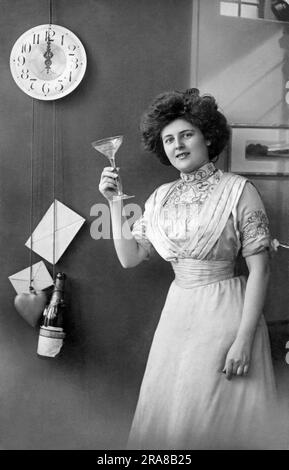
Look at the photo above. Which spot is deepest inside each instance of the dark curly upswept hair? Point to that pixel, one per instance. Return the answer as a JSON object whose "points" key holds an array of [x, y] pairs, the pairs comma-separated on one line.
{"points": [[200, 111]]}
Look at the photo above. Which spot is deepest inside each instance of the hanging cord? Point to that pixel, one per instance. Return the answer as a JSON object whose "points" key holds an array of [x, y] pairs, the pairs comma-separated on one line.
{"points": [[53, 181], [53, 160], [61, 189], [32, 144]]}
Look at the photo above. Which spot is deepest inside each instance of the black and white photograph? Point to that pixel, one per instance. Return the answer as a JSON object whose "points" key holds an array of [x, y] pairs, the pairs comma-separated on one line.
{"points": [[144, 237], [259, 150]]}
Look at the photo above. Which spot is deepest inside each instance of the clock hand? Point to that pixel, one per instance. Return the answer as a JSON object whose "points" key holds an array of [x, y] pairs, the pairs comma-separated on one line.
{"points": [[48, 54], [50, 72]]}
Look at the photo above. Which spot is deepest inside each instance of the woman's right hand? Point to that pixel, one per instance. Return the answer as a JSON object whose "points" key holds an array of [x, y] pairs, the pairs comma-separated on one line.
{"points": [[108, 184]]}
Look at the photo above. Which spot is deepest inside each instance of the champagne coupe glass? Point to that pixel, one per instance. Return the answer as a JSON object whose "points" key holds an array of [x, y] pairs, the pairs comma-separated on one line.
{"points": [[108, 147]]}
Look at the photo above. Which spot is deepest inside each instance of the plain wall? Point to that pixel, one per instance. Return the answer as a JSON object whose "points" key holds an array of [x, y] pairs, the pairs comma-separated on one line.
{"points": [[135, 49]]}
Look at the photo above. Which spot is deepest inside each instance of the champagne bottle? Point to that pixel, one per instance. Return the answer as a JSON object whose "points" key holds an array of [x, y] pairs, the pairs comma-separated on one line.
{"points": [[51, 333]]}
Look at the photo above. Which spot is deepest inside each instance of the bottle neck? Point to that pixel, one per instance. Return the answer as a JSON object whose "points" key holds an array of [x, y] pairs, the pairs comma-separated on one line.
{"points": [[58, 291], [56, 297]]}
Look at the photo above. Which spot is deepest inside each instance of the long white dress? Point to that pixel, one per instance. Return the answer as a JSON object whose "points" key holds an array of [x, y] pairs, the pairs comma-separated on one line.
{"points": [[199, 224]]}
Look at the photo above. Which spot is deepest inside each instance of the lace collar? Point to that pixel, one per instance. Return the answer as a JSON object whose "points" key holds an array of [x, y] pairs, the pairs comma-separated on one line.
{"points": [[201, 174]]}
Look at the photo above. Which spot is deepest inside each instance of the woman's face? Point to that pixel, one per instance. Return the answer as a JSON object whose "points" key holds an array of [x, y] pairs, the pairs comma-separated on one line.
{"points": [[184, 145]]}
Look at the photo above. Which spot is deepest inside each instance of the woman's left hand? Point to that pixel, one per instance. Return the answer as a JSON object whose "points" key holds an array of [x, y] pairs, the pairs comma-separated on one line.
{"points": [[238, 359]]}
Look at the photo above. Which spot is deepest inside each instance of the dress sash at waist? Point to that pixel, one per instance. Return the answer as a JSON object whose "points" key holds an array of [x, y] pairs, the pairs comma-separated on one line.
{"points": [[194, 273]]}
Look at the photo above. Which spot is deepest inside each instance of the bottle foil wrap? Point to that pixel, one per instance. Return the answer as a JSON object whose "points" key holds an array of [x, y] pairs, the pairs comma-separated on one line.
{"points": [[50, 341]]}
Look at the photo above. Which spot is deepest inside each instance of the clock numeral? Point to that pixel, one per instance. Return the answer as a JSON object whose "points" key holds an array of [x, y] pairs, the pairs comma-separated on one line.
{"points": [[75, 61], [59, 87], [62, 39], [70, 76], [36, 38], [26, 48], [45, 88], [71, 47], [20, 60], [32, 80], [49, 34], [24, 74]]}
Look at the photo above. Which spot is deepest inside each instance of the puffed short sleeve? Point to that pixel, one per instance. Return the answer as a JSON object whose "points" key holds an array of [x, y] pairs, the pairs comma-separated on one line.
{"points": [[139, 228], [253, 224]]}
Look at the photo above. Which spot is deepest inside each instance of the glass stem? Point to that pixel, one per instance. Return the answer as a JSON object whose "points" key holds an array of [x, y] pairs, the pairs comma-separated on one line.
{"points": [[118, 180]]}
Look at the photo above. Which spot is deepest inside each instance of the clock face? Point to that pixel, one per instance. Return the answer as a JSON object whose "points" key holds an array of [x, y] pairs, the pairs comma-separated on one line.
{"points": [[48, 62]]}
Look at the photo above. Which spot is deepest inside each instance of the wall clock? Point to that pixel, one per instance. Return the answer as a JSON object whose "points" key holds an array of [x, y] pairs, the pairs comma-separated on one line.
{"points": [[48, 62]]}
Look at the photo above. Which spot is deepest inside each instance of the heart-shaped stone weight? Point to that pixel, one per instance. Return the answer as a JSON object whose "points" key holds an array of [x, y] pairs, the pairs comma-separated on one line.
{"points": [[31, 306]]}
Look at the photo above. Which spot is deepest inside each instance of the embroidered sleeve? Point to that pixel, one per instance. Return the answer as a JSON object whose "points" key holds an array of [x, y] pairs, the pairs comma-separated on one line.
{"points": [[253, 222], [256, 226]]}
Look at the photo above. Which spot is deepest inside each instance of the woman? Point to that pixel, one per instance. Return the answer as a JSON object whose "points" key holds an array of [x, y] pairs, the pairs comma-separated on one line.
{"points": [[209, 380]]}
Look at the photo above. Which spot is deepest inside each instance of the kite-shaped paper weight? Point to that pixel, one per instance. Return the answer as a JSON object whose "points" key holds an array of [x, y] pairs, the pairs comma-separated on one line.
{"points": [[40, 278], [55, 232]]}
